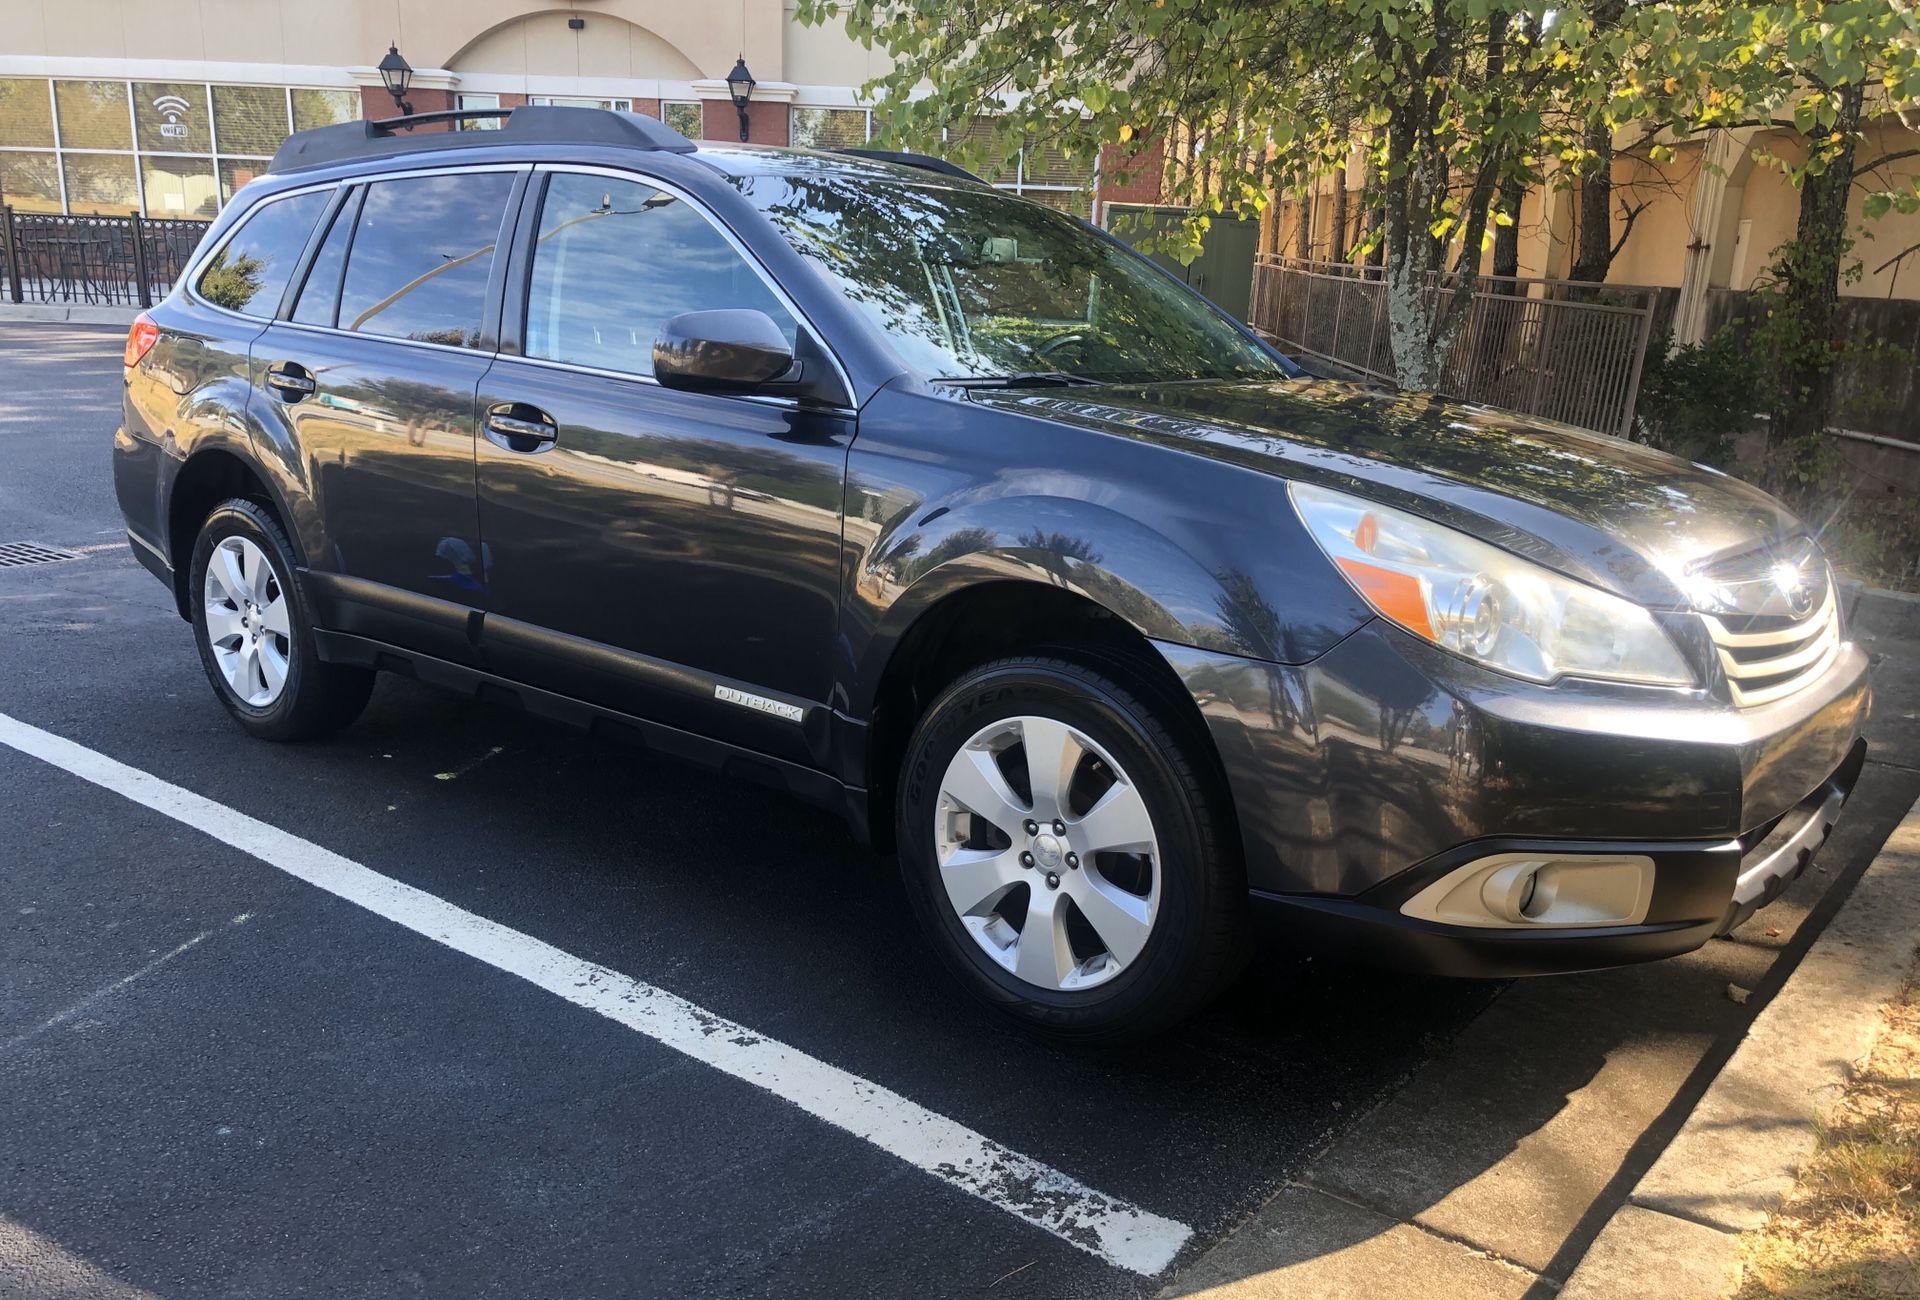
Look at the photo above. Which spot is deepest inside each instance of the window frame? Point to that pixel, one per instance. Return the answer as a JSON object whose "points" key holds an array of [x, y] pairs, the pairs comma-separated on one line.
{"points": [[488, 341], [347, 187], [516, 301], [202, 261]]}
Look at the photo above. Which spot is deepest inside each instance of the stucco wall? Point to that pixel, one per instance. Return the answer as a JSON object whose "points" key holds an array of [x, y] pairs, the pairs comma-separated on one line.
{"points": [[434, 33], [605, 47], [1655, 251]]}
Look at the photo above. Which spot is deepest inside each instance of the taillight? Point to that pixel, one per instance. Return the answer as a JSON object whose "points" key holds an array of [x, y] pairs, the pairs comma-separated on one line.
{"points": [[140, 340]]}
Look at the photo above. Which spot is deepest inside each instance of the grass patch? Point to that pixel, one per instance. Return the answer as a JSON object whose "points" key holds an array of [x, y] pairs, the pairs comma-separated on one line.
{"points": [[1851, 1228]]}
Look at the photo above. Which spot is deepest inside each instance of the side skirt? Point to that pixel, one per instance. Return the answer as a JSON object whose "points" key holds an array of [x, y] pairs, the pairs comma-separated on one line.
{"points": [[815, 787]]}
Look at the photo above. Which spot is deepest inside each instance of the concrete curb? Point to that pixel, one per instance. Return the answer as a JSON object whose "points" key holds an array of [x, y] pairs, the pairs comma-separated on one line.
{"points": [[63, 313], [1735, 1158]]}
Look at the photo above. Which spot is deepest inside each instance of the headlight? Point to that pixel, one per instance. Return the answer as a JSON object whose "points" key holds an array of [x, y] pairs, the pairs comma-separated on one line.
{"points": [[1484, 603]]}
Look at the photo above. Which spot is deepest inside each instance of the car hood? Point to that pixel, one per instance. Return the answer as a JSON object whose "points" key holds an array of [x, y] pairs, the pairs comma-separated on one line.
{"points": [[1646, 525]]}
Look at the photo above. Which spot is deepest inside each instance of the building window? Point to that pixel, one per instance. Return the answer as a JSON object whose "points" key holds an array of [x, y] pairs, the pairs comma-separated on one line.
{"points": [[157, 148], [479, 123], [575, 101], [313, 108], [1041, 171], [831, 128], [683, 117]]}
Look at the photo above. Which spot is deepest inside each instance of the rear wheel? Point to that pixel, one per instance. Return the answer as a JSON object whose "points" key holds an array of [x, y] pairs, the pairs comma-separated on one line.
{"points": [[1064, 850], [254, 628]]}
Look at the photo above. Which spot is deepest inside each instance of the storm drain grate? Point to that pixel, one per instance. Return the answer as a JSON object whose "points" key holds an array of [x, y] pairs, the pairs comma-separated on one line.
{"points": [[14, 555]]}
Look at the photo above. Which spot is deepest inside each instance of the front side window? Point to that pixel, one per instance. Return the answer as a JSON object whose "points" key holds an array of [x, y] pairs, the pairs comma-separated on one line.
{"points": [[421, 254], [970, 283], [615, 259], [251, 271]]}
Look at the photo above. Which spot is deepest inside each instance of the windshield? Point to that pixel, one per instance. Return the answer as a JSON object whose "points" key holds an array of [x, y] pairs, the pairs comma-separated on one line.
{"points": [[972, 284]]}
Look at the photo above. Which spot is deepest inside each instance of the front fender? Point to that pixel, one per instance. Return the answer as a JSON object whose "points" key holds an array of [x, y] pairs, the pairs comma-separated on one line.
{"points": [[1105, 556], [944, 493]]}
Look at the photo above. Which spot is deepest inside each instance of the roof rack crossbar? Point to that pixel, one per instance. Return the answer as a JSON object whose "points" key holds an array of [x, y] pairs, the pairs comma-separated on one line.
{"points": [[388, 125], [538, 124]]}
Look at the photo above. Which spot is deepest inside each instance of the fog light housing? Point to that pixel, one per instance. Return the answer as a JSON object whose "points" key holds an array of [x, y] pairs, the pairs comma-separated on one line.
{"points": [[1528, 891]]}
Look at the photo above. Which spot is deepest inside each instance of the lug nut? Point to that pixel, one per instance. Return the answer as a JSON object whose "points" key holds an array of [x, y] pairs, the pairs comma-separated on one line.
{"points": [[1033, 827], [1053, 881], [1026, 859], [1073, 861], [1059, 827]]}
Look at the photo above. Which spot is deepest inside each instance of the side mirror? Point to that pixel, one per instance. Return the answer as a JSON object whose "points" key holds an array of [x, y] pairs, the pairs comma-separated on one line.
{"points": [[727, 351]]}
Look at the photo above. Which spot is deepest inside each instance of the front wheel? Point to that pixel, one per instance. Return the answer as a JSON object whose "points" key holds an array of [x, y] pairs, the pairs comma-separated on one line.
{"points": [[255, 631], [1067, 854]]}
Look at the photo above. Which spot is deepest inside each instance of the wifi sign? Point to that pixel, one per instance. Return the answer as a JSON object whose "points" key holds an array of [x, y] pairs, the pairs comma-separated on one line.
{"points": [[173, 108]]}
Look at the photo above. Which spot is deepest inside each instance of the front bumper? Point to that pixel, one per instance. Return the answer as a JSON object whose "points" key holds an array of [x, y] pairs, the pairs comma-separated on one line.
{"points": [[1362, 777], [1700, 891]]}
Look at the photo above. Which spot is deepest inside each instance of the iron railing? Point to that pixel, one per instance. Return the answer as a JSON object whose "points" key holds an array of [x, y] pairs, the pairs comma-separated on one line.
{"points": [[103, 261], [1558, 349]]}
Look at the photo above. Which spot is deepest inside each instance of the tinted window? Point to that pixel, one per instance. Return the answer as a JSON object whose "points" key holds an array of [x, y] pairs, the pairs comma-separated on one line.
{"points": [[421, 254], [252, 269], [616, 259], [320, 295], [968, 282]]}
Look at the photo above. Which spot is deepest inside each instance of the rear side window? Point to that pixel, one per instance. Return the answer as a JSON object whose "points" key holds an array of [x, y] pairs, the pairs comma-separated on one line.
{"points": [[421, 254], [615, 259], [250, 272]]}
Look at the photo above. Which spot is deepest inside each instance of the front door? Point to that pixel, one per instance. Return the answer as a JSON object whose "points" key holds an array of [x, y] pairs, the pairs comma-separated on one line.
{"points": [[673, 555], [373, 378]]}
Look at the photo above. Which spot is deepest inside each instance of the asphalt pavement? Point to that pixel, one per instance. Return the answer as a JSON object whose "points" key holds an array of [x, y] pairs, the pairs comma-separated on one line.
{"points": [[218, 1079]]}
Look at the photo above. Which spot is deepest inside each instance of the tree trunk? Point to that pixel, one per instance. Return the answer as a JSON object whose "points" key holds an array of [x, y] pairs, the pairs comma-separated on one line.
{"points": [[1593, 253], [1337, 247], [1810, 285], [1506, 239], [1593, 220], [1303, 227]]}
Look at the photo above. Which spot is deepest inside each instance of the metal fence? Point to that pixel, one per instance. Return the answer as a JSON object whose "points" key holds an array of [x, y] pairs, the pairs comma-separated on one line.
{"points": [[103, 261], [1559, 349]]}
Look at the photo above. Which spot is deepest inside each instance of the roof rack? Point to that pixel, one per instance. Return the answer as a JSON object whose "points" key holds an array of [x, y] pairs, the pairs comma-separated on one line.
{"points": [[924, 161], [540, 124]]}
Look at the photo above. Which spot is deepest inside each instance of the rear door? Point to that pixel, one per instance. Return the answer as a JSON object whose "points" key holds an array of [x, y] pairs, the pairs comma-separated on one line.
{"points": [[670, 554], [368, 387]]}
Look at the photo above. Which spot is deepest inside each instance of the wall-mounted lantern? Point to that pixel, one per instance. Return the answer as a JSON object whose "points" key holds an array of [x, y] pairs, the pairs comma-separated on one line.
{"points": [[397, 74], [740, 85]]}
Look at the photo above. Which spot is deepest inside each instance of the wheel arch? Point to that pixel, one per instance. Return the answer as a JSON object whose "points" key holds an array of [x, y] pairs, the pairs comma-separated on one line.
{"points": [[206, 478], [996, 616]]}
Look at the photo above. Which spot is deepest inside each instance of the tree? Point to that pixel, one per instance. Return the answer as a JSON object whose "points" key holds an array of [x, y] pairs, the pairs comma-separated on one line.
{"points": [[1263, 96], [1826, 68]]}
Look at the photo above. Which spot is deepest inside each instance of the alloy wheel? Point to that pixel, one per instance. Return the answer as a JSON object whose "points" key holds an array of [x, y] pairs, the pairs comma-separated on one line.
{"points": [[1047, 853], [247, 621]]}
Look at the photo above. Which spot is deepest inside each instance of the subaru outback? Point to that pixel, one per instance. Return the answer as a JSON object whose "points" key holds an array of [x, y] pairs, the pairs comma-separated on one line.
{"points": [[847, 473]]}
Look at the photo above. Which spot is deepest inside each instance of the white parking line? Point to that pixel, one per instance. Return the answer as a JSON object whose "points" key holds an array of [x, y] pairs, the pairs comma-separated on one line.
{"points": [[1116, 1231]]}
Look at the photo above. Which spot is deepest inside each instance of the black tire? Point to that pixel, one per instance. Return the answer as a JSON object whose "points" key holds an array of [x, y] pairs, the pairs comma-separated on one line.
{"points": [[1199, 936], [316, 698]]}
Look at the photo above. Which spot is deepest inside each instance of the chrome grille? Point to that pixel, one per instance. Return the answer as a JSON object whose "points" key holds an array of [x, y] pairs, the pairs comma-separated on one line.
{"points": [[1767, 658]]}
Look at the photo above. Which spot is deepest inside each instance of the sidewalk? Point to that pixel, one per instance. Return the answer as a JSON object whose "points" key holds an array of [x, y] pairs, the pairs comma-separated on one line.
{"points": [[1678, 1235], [70, 313], [1527, 1159]]}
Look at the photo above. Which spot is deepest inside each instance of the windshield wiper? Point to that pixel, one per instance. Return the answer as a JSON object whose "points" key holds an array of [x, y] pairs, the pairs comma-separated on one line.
{"points": [[1026, 379]]}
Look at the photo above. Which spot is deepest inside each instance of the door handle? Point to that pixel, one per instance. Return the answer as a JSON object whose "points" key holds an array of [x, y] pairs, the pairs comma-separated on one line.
{"points": [[290, 380], [519, 427]]}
